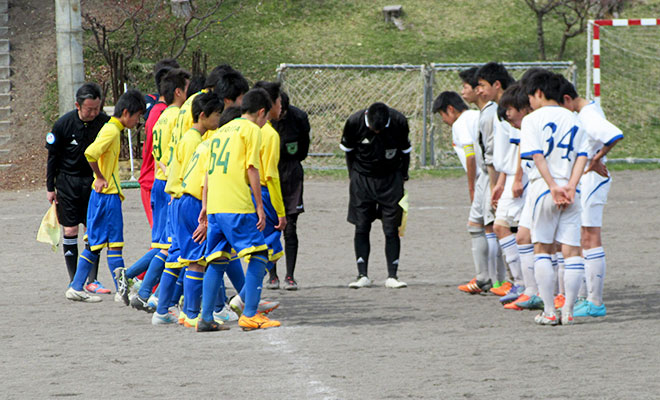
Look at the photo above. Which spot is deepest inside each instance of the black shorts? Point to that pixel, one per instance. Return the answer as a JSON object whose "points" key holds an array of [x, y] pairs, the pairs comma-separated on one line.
{"points": [[291, 182], [72, 198], [376, 198]]}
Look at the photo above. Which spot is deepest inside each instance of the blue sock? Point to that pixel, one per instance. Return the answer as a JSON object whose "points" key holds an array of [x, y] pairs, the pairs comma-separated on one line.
{"points": [[214, 274], [178, 288], [167, 285], [141, 265], [236, 274], [115, 260], [222, 297], [85, 263], [193, 284], [156, 267], [253, 280]]}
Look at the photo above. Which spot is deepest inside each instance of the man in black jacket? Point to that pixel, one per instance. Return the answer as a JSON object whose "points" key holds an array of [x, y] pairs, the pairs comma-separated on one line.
{"points": [[68, 174], [293, 127], [378, 156]]}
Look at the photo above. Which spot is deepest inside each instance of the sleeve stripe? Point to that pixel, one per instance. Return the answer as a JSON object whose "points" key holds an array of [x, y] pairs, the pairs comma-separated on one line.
{"points": [[614, 139], [583, 154], [346, 149], [529, 155], [406, 151], [514, 141]]}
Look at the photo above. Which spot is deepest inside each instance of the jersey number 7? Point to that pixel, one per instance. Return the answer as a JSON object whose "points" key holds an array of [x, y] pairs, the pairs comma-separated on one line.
{"points": [[217, 159]]}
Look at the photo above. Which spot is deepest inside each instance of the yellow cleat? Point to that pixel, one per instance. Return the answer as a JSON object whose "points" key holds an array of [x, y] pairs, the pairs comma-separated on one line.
{"points": [[259, 321]]}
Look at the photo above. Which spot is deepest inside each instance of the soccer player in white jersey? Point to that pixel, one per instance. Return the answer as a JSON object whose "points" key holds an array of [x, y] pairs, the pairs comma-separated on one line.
{"points": [[602, 136], [553, 138], [493, 79], [508, 194], [464, 127]]}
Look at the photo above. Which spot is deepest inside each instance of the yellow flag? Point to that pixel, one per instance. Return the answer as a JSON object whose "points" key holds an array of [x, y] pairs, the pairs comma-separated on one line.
{"points": [[403, 203], [49, 230]]}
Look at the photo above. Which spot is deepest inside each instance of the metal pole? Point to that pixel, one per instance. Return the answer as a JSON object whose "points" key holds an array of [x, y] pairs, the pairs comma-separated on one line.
{"points": [[424, 111], [590, 35], [70, 70], [429, 118]]}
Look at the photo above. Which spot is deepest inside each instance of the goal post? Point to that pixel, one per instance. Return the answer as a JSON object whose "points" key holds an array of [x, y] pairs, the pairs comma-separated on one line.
{"points": [[623, 76]]}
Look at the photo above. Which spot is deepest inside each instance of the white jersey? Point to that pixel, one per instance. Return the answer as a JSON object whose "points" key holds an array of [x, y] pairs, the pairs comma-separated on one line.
{"points": [[600, 132], [505, 152], [487, 118], [556, 133], [465, 132]]}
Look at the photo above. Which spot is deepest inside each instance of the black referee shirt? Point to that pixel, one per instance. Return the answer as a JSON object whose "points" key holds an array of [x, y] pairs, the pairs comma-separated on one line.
{"points": [[67, 143], [294, 135], [376, 154]]}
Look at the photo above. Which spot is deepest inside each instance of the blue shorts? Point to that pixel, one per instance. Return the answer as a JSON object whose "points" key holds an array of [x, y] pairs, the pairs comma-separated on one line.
{"points": [[271, 235], [173, 252], [238, 231], [105, 224], [188, 213], [159, 201]]}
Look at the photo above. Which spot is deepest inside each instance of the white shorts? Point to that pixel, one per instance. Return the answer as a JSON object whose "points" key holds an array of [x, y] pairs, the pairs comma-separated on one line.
{"points": [[550, 223], [594, 189], [481, 211], [509, 208]]}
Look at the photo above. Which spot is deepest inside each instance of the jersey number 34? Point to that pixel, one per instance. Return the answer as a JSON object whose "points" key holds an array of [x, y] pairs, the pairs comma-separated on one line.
{"points": [[562, 144]]}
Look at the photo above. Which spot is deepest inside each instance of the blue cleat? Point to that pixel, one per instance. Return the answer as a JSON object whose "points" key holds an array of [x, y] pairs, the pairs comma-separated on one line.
{"points": [[590, 310], [513, 294], [534, 303], [580, 304]]}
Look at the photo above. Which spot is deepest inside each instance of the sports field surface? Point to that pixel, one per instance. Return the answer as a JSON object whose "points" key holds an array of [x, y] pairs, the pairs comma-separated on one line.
{"points": [[427, 341]]}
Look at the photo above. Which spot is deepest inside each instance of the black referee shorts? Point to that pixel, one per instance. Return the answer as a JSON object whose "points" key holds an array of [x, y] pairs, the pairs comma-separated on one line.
{"points": [[72, 198], [376, 198]]}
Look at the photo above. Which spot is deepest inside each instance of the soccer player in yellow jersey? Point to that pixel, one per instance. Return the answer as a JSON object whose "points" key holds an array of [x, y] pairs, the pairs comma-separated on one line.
{"points": [[233, 220], [104, 218], [186, 172], [173, 87]]}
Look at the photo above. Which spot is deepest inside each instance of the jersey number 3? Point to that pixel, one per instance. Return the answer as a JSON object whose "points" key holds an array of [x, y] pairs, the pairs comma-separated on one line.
{"points": [[219, 159]]}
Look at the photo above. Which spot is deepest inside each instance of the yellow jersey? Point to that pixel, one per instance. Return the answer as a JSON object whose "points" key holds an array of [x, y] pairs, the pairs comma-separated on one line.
{"points": [[182, 153], [184, 120], [232, 150], [162, 133], [269, 175], [105, 151], [195, 171]]}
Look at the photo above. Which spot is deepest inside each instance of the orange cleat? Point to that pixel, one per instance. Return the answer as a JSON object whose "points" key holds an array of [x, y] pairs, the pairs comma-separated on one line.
{"points": [[513, 306], [258, 321], [464, 288], [502, 290], [559, 301]]}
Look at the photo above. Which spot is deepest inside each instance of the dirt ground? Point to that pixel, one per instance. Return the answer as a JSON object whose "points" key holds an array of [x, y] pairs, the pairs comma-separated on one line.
{"points": [[427, 341]]}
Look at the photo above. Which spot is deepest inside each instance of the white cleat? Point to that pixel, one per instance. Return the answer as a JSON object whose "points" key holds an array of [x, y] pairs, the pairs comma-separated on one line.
{"points": [[360, 282], [225, 315], [165, 319], [395, 283], [81, 295]]}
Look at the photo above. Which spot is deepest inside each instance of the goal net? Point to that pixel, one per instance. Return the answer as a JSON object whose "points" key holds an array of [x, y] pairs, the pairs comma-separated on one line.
{"points": [[623, 74]]}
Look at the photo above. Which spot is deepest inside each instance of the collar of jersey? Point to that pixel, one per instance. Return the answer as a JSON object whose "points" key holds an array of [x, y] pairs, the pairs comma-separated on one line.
{"points": [[387, 125], [117, 123]]}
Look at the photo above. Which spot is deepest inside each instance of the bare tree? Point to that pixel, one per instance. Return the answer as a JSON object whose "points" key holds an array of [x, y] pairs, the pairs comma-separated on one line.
{"points": [[541, 8]]}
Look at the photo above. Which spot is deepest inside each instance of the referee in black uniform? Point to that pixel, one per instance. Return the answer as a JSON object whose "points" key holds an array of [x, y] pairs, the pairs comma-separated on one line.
{"points": [[378, 156], [293, 127], [68, 174]]}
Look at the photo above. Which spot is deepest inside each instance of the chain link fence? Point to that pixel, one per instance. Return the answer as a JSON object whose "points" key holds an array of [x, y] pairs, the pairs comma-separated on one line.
{"points": [[331, 93]]}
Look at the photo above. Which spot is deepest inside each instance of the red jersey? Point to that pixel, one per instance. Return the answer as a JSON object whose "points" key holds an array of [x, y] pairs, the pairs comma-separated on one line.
{"points": [[147, 170]]}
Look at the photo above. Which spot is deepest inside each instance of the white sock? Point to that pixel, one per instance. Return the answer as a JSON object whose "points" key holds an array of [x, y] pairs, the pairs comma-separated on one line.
{"points": [[572, 280], [582, 293], [553, 259], [526, 252], [545, 278], [493, 248], [594, 271], [480, 254], [560, 273], [501, 265], [510, 250]]}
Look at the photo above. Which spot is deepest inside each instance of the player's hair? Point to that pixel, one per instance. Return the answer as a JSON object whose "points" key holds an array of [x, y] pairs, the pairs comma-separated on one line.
{"points": [[254, 100], [501, 113], [207, 103], [131, 101], [174, 79], [514, 96], [378, 116], [196, 84], [229, 114], [89, 90], [216, 74], [273, 89], [548, 82], [285, 101], [529, 73], [161, 68], [231, 85], [567, 88], [469, 76], [446, 99], [493, 72]]}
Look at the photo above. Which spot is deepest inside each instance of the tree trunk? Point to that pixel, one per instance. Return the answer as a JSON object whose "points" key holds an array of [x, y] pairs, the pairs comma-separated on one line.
{"points": [[562, 47], [181, 8], [540, 36]]}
